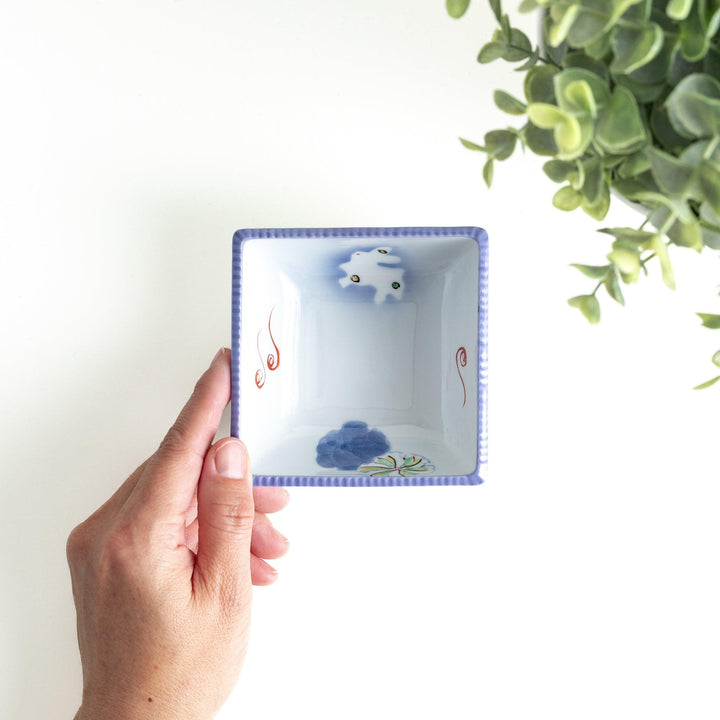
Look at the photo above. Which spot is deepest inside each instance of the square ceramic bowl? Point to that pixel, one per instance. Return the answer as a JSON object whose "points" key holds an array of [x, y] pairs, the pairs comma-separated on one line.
{"points": [[360, 355]]}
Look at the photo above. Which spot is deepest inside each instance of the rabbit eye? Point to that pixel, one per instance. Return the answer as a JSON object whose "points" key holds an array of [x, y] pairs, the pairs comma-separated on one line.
{"points": [[355, 278], [395, 285], [383, 252]]}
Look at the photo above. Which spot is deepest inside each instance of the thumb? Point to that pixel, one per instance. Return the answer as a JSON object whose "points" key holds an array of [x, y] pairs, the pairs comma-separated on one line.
{"points": [[226, 511]]}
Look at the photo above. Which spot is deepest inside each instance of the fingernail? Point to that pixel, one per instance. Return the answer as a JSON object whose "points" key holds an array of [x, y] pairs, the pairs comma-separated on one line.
{"points": [[219, 354], [231, 460]]}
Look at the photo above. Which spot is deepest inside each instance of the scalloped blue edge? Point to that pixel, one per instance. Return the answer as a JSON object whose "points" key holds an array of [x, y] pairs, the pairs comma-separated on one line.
{"points": [[480, 236]]}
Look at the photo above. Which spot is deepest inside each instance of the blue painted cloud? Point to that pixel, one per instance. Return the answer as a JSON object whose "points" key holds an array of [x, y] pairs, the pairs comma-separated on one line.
{"points": [[351, 446]]}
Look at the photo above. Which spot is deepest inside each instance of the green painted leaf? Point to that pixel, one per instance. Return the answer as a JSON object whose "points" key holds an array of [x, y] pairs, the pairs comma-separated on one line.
{"points": [[528, 6], [456, 8], [507, 103], [716, 358], [496, 8], [567, 198], [620, 128], [634, 47], [588, 306], [709, 320], [595, 272], [707, 384]]}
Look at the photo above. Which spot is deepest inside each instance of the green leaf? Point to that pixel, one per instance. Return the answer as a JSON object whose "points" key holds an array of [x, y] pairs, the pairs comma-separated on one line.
{"points": [[593, 180], [472, 146], [567, 198], [612, 285], [634, 47], [694, 106], [521, 46], [531, 61], [500, 144], [631, 235], [709, 320], [541, 142], [673, 176], [694, 41], [686, 234], [594, 272], [456, 8], [496, 8], [635, 191], [716, 358], [588, 306], [590, 24], [572, 135], [581, 90], [627, 262], [709, 177], [539, 86], [620, 128], [562, 22], [491, 51], [678, 9], [528, 6], [507, 103], [707, 384], [558, 170], [598, 208], [488, 172], [658, 246]]}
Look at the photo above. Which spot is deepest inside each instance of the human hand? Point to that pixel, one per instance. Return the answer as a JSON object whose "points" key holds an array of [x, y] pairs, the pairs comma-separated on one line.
{"points": [[162, 573]]}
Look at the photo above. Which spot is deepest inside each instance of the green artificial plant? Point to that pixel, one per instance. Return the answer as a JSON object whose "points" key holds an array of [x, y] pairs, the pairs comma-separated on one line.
{"points": [[621, 96]]}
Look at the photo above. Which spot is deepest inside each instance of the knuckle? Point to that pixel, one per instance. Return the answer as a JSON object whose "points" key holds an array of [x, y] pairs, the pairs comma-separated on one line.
{"points": [[77, 543], [233, 517]]}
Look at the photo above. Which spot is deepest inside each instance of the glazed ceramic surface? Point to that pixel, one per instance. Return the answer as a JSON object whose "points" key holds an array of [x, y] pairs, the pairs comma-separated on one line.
{"points": [[360, 355]]}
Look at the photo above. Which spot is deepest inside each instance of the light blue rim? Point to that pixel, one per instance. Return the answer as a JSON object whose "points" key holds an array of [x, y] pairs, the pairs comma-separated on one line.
{"points": [[475, 233]]}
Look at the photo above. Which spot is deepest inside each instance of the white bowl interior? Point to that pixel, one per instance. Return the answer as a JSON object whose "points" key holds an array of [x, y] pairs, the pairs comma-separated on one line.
{"points": [[395, 349]]}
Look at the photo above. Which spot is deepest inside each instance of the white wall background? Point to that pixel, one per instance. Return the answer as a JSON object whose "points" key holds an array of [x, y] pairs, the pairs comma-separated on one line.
{"points": [[135, 137]]}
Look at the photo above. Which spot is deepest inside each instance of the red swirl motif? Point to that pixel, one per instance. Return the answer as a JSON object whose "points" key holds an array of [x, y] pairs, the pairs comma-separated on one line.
{"points": [[461, 360], [273, 359]]}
